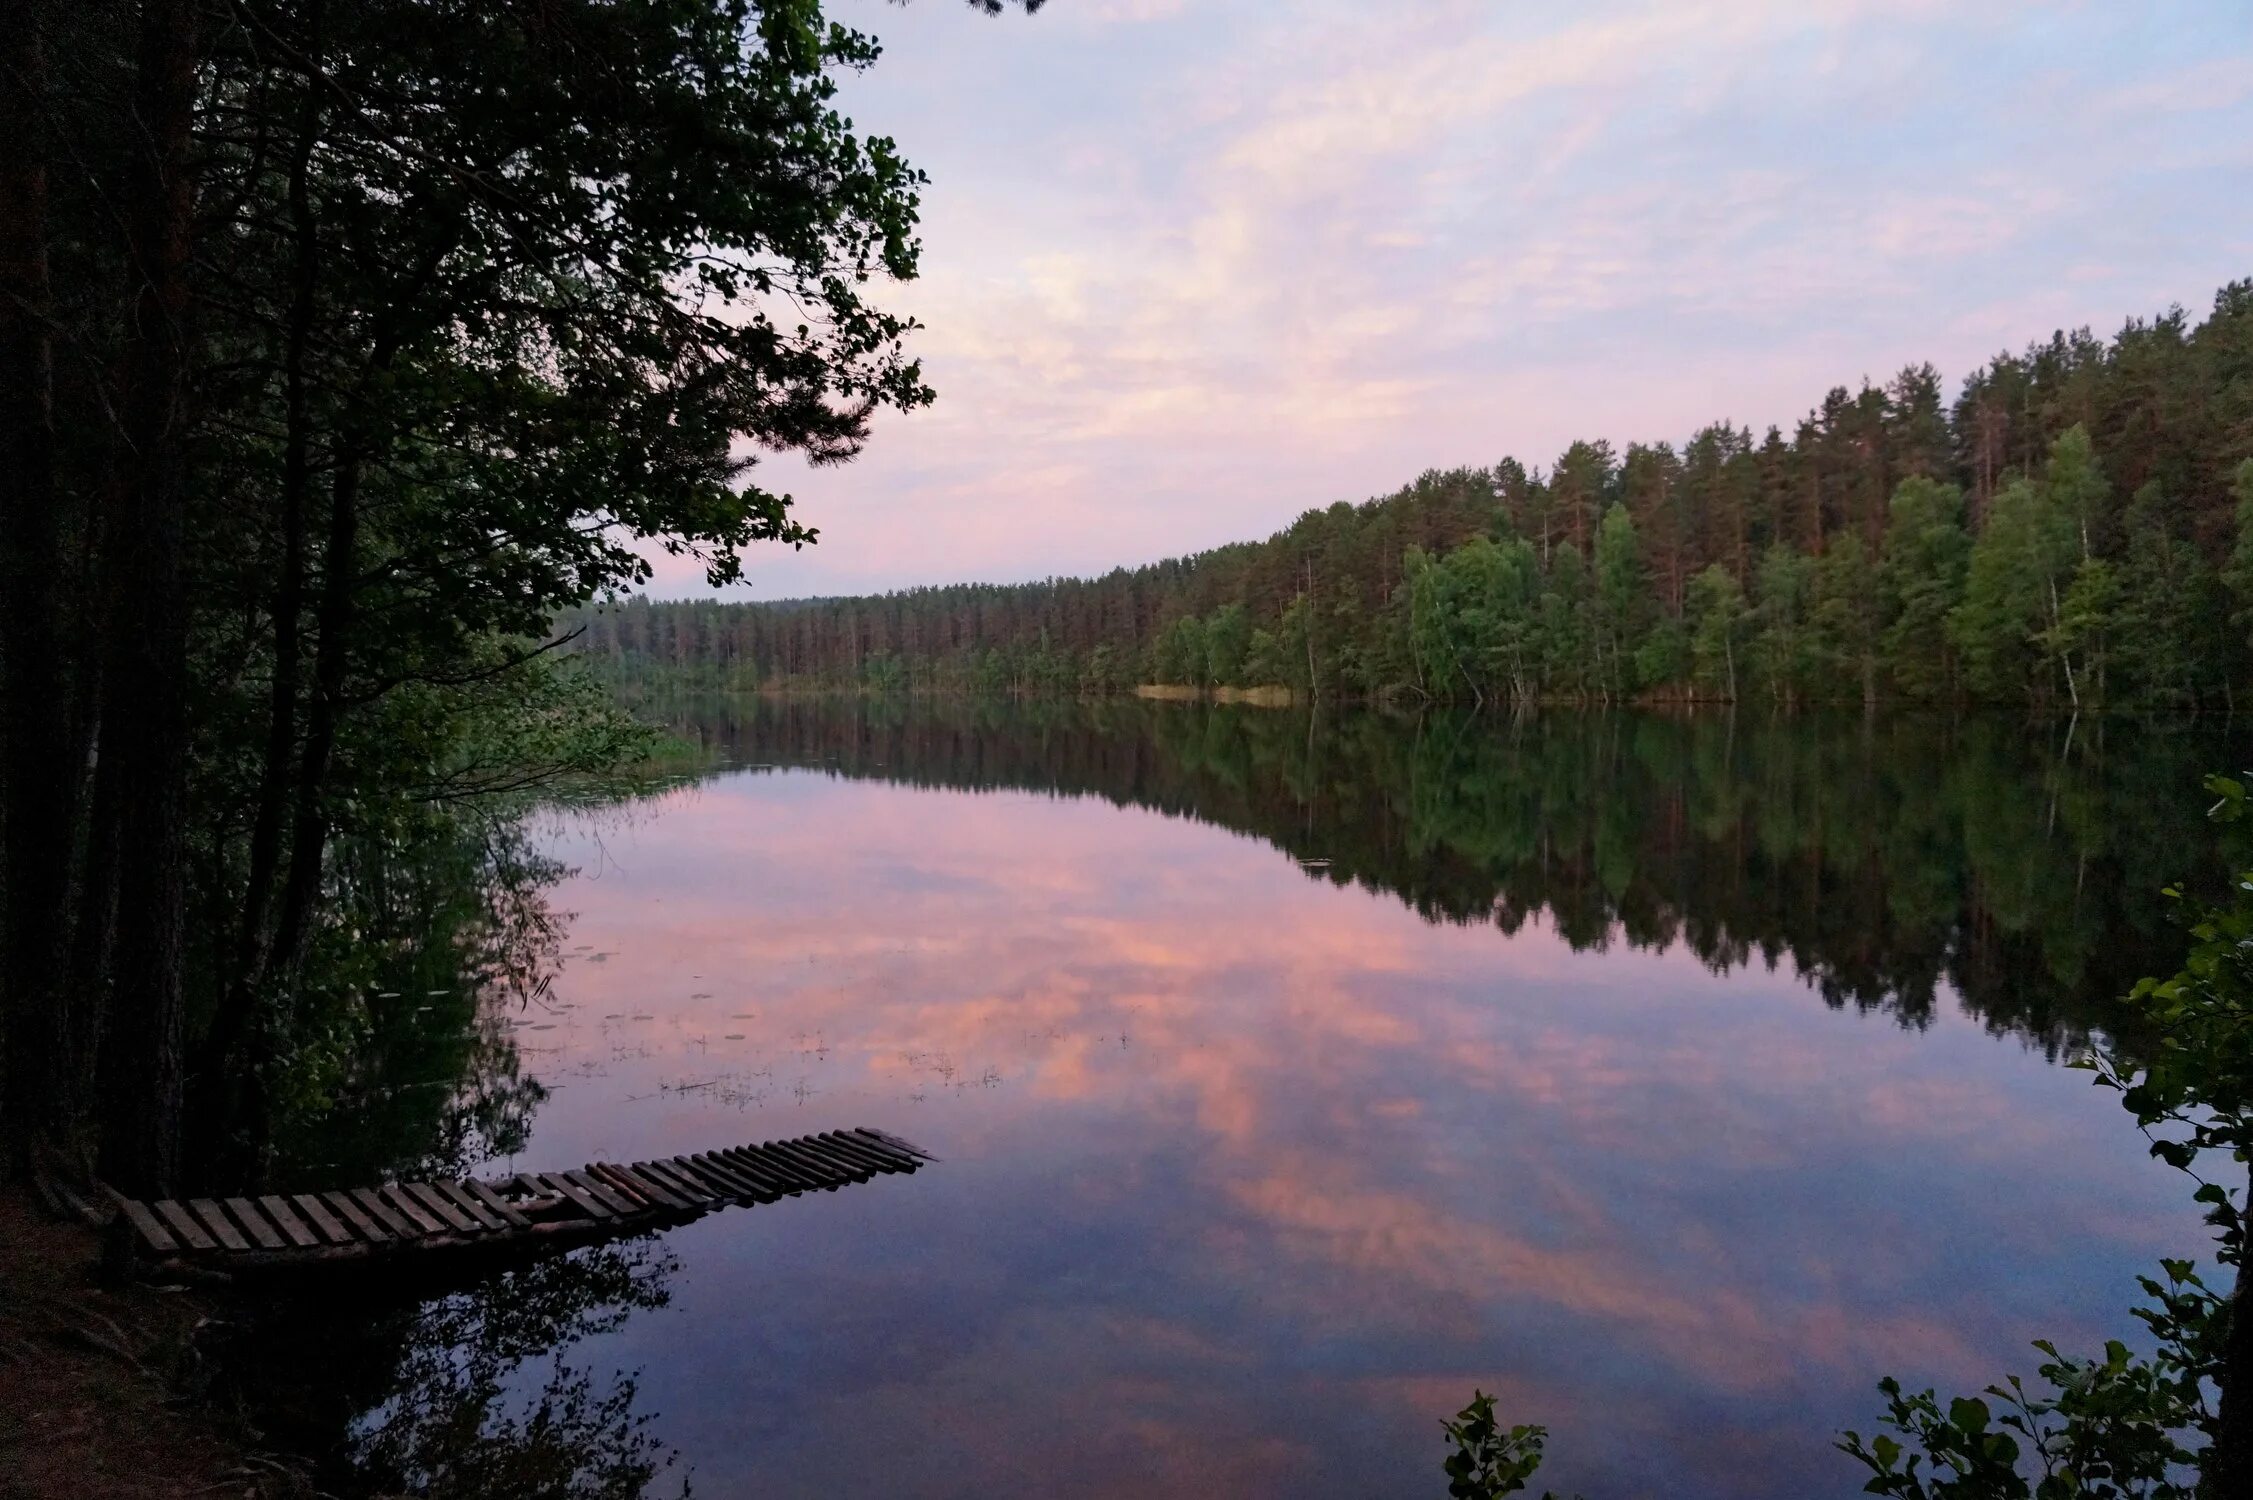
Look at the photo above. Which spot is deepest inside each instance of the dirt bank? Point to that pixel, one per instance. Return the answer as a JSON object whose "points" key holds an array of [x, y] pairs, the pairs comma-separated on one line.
{"points": [[98, 1382]]}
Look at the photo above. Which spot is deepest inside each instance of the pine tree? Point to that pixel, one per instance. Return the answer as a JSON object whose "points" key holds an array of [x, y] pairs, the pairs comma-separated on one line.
{"points": [[1579, 489], [1918, 442]]}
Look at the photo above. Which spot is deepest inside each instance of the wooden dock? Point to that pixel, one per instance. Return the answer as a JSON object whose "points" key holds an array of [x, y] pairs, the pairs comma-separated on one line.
{"points": [[402, 1221]]}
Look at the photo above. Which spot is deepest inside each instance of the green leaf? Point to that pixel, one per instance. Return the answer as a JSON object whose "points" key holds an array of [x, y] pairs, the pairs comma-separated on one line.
{"points": [[1968, 1414]]}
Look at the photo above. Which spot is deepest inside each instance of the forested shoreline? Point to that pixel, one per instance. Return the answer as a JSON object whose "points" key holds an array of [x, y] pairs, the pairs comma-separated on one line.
{"points": [[2075, 529]]}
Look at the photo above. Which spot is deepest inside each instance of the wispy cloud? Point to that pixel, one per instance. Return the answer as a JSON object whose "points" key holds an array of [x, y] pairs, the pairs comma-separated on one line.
{"points": [[1192, 269]]}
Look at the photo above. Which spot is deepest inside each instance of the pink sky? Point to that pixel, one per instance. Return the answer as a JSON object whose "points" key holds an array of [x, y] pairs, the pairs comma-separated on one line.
{"points": [[1194, 266]]}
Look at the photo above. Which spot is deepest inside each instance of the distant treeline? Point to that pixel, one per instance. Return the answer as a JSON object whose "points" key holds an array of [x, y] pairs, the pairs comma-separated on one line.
{"points": [[2076, 528]]}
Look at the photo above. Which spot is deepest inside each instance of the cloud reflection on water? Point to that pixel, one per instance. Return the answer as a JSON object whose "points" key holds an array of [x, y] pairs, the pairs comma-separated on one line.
{"points": [[1249, 1177]]}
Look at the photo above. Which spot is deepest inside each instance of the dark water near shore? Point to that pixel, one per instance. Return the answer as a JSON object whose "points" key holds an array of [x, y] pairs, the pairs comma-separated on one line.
{"points": [[1293, 1076]]}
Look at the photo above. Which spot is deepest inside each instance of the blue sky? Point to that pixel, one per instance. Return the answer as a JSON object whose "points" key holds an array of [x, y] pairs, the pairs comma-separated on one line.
{"points": [[1194, 266]]}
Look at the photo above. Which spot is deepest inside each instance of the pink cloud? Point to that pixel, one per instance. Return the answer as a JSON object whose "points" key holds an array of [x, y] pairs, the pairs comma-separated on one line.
{"points": [[1191, 270]]}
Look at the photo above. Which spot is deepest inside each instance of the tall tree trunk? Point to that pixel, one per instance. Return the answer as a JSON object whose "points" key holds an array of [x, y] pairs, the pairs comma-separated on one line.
{"points": [[310, 828], [333, 622], [144, 741], [37, 810], [255, 944]]}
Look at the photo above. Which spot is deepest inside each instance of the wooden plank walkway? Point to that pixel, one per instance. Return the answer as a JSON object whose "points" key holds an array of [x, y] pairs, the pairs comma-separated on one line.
{"points": [[529, 1210]]}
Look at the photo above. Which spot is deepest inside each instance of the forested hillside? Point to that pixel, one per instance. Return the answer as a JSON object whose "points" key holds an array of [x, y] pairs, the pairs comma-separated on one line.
{"points": [[2076, 527]]}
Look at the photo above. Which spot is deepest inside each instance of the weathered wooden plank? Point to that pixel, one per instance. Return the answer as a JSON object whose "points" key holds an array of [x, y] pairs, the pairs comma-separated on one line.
{"points": [[830, 1177], [177, 1218], [649, 1187], [836, 1147], [808, 1179], [286, 1217], [222, 1229], [831, 1171], [374, 1205], [852, 1171], [868, 1146], [214, 1219], [773, 1188], [792, 1177], [543, 1197], [467, 1202], [849, 1149], [813, 1176], [686, 1187], [900, 1141], [683, 1181], [316, 1213], [773, 1167], [499, 1205], [145, 1224], [907, 1150], [643, 1195], [625, 1205], [395, 1194], [861, 1151], [741, 1185], [256, 1224], [663, 1174], [453, 1218], [351, 1213], [713, 1174], [708, 1167], [717, 1178], [578, 1195], [612, 1196], [779, 1183], [857, 1171]]}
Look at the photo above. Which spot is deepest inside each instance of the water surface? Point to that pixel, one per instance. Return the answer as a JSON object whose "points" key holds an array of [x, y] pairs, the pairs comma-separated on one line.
{"points": [[1293, 1077]]}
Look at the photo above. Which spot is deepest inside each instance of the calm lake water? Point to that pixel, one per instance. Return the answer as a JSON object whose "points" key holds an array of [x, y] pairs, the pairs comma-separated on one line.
{"points": [[1293, 1077]]}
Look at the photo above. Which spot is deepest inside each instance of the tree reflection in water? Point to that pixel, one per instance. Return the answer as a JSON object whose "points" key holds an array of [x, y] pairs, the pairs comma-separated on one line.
{"points": [[2017, 862], [1889, 862], [466, 1393], [437, 967], [443, 944], [462, 1416]]}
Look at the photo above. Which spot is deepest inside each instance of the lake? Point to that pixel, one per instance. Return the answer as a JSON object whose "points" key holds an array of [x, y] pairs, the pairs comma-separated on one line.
{"points": [[1293, 1075]]}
